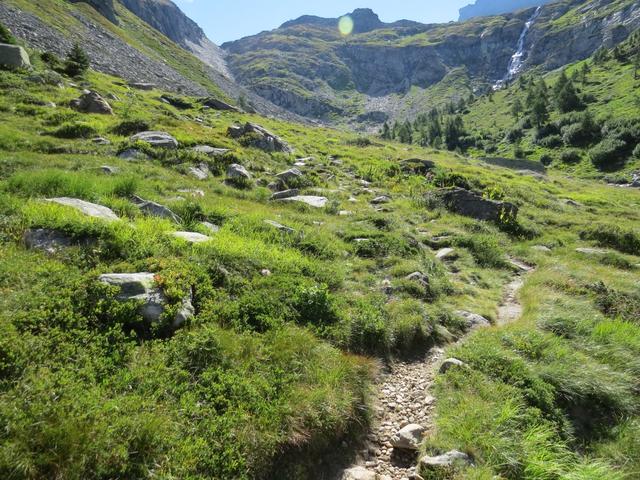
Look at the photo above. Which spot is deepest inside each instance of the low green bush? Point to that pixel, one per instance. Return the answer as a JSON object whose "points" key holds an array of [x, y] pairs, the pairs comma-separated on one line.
{"points": [[485, 249], [75, 130], [131, 127], [614, 236], [608, 153]]}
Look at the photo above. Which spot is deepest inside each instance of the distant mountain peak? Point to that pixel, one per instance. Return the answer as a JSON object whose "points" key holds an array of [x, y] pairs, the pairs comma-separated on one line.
{"points": [[485, 8], [364, 20]]}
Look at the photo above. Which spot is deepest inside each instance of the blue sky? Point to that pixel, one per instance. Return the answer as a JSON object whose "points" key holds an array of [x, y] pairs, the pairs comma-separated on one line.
{"points": [[225, 20]]}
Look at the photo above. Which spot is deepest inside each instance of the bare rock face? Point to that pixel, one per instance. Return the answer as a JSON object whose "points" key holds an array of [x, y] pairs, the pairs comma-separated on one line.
{"points": [[104, 7], [469, 204], [88, 208], [92, 102], [156, 139]]}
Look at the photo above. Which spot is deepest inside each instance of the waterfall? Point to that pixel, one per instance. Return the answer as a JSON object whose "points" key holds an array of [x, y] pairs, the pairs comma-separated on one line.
{"points": [[517, 59]]}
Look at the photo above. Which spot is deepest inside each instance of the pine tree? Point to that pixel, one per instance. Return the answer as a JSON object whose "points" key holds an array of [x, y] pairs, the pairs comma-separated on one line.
{"points": [[516, 108], [386, 131], [565, 95], [77, 62], [539, 112]]}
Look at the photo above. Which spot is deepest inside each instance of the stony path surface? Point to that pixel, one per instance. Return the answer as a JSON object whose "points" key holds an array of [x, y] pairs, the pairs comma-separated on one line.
{"points": [[404, 397]]}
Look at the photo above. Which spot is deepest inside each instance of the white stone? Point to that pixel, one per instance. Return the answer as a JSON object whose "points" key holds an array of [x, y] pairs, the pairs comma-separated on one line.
{"points": [[88, 208], [313, 201]]}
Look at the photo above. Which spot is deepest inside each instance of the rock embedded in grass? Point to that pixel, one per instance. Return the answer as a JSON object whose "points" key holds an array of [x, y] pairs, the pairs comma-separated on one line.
{"points": [[210, 151], [291, 174], [142, 287], [446, 254], [49, 240], [154, 209], [591, 251], [442, 464], [14, 56], [191, 237], [88, 208], [469, 204], [236, 171], [133, 154], [279, 227], [313, 201], [382, 199], [450, 363], [259, 137], [156, 139], [200, 171], [473, 320], [285, 194], [92, 102]]}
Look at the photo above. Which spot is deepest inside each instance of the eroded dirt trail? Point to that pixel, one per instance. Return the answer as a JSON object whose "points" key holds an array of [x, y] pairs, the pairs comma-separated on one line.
{"points": [[405, 397]]}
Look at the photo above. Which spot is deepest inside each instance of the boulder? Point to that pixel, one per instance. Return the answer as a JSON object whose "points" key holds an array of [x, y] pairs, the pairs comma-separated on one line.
{"points": [[219, 105], [291, 174], [200, 171], [237, 171], [449, 363], [100, 141], [285, 194], [443, 464], [191, 237], [260, 138], [473, 320], [133, 154], [420, 278], [409, 438], [417, 166], [142, 287], [210, 151], [88, 208], [91, 102], [469, 204], [155, 209], [382, 199], [14, 56], [317, 202], [279, 227], [47, 240], [156, 139], [446, 254], [359, 473]]}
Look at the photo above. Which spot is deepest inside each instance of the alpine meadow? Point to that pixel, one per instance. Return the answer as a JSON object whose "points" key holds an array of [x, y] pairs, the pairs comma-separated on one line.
{"points": [[341, 249]]}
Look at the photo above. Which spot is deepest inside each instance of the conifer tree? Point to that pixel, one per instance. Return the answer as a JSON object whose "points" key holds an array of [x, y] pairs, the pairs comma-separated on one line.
{"points": [[77, 62]]}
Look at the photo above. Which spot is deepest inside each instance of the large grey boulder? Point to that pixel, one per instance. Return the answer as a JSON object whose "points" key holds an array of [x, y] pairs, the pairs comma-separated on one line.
{"points": [[289, 175], [219, 105], [200, 171], [92, 102], [409, 437], [156, 139], [443, 464], [285, 194], [473, 320], [260, 137], [88, 208], [312, 201], [236, 171], [142, 287], [154, 209], [469, 204], [14, 56]]}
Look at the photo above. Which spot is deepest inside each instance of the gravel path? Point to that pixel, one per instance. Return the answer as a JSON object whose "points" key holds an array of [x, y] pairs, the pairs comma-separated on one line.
{"points": [[404, 398]]}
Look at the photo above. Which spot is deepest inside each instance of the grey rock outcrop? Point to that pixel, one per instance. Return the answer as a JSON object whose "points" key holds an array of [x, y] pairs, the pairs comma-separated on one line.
{"points": [[14, 56], [469, 204], [142, 287], [210, 151], [154, 209], [473, 320], [236, 171], [294, 192], [200, 171], [156, 139], [260, 137], [92, 102], [217, 104], [88, 208], [289, 175]]}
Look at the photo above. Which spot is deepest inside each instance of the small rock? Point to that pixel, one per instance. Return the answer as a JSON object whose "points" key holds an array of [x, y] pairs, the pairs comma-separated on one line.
{"points": [[156, 139], [143, 85], [444, 463], [288, 175], [541, 248], [133, 154], [446, 254], [210, 151], [265, 272], [285, 194], [191, 237], [591, 251], [100, 141], [317, 202], [382, 199], [359, 473], [409, 438], [109, 170], [473, 320], [211, 227], [47, 240], [200, 171], [449, 364]]}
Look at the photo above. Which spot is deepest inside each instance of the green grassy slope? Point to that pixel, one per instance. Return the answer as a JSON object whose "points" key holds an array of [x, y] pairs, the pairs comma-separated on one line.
{"points": [[281, 365]]}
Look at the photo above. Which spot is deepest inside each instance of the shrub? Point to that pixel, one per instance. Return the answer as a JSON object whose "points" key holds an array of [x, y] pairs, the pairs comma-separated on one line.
{"points": [[75, 130], [446, 179], [125, 187], [485, 250], [368, 329], [51, 59], [570, 156], [614, 236], [608, 153], [552, 141], [131, 127], [514, 135], [612, 259], [6, 36], [546, 160]]}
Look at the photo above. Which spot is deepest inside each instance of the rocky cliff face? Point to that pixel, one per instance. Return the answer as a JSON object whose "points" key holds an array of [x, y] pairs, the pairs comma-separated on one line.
{"points": [[485, 8], [307, 67], [166, 17]]}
